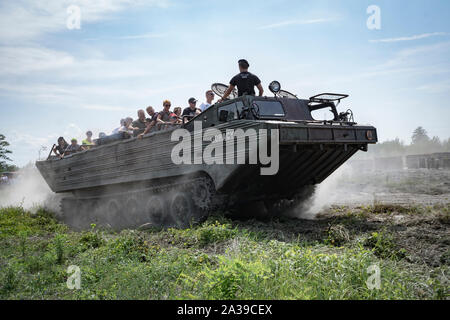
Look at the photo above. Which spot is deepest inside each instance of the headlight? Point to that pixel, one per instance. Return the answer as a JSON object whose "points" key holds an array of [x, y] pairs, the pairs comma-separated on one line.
{"points": [[275, 87]]}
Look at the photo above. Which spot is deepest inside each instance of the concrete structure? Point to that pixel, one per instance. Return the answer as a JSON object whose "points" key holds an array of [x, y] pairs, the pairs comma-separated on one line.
{"points": [[429, 161]]}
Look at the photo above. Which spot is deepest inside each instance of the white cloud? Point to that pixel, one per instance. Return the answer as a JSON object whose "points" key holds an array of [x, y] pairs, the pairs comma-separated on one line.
{"points": [[132, 37], [294, 22], [75, 80], [411, 38], [413, 64], [35, 90], [418, 56], [33, 142], [435, 88], [28, 19], [29, 140], [103, 107], [73, 130], [22, 60]]}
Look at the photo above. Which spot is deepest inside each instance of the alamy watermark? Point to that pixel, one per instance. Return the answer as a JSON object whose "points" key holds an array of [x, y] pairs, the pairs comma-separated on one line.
{"points": [[221, 147], [74, 280], [374, 280], [374, 20], [74, 19]]}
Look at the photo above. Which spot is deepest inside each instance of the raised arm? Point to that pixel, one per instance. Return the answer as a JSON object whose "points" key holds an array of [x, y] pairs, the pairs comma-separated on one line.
{"points": [[227, 93], [147, 129], [158, 119]]}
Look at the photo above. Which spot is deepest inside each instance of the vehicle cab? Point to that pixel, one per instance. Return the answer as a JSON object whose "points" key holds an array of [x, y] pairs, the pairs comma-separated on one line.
{"points": [[272, 108]]}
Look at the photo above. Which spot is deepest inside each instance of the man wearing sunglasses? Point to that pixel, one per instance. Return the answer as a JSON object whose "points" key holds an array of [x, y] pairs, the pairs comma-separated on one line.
{"points": [[164, 115], [191, 111], [209, 99]]}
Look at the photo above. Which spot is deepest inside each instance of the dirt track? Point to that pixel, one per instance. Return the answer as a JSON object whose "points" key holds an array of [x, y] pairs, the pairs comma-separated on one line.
{"points": [[410, 207], [405, 187]]}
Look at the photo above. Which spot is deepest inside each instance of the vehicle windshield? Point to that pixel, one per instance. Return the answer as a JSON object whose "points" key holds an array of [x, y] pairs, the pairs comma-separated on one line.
{"points": [[234, 110], [267, 108]]}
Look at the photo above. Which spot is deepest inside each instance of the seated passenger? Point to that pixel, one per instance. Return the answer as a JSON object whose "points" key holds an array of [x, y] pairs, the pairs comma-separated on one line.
{"points": [[88, 143], [127, 126], [116, 130], [163, 118], [73, 148], [192, 110], [61, 147], [140, 124], [152, 120], [209, 100], [4, 179], [175, 116]]}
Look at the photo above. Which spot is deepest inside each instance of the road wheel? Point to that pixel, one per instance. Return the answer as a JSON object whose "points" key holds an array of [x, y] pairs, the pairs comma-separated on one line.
{"points": [[182, 209], [115, 217], [85, 214], [156, 211], [68, 211], [203, 194], [132, 210], [95, 213]]}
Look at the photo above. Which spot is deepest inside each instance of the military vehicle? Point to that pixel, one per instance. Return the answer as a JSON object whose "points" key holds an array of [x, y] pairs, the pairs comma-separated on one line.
{"points": [[127, 182]]}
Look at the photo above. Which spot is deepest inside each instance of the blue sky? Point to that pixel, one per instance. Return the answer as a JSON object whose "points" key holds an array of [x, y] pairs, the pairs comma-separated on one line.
{"points": [[129, 54]]}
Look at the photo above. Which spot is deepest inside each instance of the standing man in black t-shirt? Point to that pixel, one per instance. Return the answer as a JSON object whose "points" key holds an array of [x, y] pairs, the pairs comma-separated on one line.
{"points": [[245, 82]]}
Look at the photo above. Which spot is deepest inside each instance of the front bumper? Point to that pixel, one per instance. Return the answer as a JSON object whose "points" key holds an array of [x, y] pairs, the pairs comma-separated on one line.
{"points": [[327, 134]]}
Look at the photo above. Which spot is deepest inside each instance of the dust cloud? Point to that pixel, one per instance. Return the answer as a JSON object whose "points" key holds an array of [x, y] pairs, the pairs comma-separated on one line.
{"points": [[353, 186], [30, 191], [333, 191]]}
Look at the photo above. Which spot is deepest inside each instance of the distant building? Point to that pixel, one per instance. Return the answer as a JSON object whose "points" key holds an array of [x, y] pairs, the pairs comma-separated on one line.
{"points": [[429, 161], [418, 161]]}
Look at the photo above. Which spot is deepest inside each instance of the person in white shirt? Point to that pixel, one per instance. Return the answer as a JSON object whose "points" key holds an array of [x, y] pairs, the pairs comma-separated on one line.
{"points": [[126, 126], [116, 130], [209, 99], [4, 179]]}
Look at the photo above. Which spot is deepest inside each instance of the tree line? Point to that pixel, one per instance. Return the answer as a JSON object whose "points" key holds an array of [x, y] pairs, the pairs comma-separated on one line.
{"points": [[421, 143], [4, 152]]}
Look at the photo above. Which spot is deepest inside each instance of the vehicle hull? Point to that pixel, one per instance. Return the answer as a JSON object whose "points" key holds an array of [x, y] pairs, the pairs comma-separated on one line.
{"points": [[308, 154]]}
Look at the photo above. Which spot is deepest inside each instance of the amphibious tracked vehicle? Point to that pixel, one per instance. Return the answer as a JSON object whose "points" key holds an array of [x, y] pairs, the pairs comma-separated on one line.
{"points": [[127, 182]]}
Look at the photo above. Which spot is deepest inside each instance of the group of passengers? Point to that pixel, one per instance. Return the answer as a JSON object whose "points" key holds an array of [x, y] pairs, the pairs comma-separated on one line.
{"points": [[63, 148], [142, 125], [163, 119], [244, 81]]}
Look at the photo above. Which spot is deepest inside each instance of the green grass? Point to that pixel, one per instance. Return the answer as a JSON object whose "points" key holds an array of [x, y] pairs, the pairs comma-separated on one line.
{"points": [[215, 260]]}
